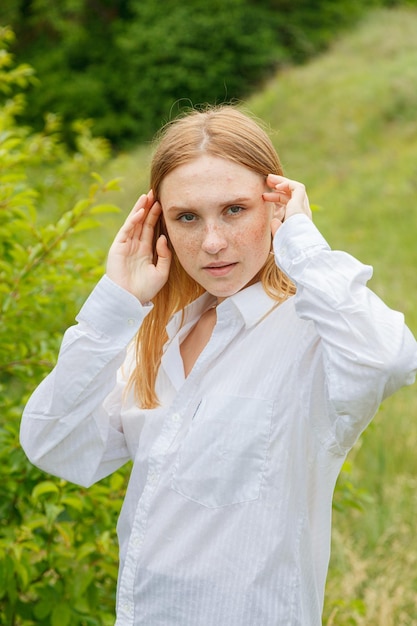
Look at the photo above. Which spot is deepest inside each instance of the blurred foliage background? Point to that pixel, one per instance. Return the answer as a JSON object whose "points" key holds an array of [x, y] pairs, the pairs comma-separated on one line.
{"points": [[336, 82], [129, 64]]}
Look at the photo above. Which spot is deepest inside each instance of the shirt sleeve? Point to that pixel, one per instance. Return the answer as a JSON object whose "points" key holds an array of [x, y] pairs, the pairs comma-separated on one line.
{"points": [[66, 429], [367, 350]]}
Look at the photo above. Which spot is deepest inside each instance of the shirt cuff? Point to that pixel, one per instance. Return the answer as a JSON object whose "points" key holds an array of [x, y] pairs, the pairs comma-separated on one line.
{"points": [[297, 240], [111, 310]]}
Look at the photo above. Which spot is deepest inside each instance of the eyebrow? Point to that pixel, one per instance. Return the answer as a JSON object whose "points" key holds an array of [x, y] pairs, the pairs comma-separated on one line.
{"points": [[223, 204]]}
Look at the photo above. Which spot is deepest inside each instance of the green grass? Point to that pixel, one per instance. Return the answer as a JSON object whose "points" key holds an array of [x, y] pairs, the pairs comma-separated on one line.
{"points": [[346, 125]]}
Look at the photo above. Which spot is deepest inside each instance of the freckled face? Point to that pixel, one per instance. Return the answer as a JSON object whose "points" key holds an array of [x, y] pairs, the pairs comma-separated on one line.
{"points": [[218, 222]]}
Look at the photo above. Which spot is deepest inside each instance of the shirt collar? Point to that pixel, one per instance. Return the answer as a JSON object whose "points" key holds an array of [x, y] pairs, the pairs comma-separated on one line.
{"points": [[191, 312], [252, 303]]}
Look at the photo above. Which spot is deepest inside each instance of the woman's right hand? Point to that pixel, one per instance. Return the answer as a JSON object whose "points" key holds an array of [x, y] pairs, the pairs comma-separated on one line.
{"points": [[130, 259]]}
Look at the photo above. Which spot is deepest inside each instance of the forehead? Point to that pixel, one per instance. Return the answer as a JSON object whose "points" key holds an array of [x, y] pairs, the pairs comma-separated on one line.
{"points": [[211, 176]]}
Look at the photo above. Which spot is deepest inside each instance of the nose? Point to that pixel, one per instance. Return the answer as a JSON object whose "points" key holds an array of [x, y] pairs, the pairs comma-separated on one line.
{"points": [[214, 239]]}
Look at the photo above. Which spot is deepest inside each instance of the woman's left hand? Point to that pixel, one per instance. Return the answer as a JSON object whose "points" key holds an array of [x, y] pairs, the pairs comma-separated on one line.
{"points": [[290, 198]]}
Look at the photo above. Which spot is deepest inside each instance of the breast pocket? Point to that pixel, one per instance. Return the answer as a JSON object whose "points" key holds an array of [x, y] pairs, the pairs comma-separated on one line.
{"points": [[222, 458]]}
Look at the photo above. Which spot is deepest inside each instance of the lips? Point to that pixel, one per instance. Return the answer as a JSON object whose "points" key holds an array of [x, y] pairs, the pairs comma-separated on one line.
{"points": [[219, 269]]}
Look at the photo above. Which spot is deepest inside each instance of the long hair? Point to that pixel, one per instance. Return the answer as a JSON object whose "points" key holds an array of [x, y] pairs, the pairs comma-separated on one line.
{"points": [[223, 132]]}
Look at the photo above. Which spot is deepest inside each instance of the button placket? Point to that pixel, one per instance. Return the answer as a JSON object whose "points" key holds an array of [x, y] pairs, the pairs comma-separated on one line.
{"points": [[224, 332], [156, 458]]}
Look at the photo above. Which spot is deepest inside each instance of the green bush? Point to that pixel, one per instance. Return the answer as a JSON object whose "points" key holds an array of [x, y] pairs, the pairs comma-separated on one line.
{"points": [[58, 552], [129, 64]]}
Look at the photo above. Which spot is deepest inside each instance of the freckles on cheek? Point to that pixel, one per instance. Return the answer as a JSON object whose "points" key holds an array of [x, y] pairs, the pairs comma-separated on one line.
{"points": [[184, 245], [258, 239]]}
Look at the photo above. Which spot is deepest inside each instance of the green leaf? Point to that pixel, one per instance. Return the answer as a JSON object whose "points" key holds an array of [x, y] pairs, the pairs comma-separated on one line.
{"points": [[73, 501], [80, 207], [47, 486], [81, 581], [85, 224], [61, 615], [105, 208], [23, 574], [52, 512], [42, 609], [97, 177], [85, 550], [113, 185]]}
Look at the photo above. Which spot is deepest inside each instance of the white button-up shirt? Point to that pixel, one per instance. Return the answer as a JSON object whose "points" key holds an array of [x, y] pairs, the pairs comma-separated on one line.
{"points": [[226, 520]]}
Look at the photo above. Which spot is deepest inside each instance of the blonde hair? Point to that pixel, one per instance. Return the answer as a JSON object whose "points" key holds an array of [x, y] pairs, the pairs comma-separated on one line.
{"points": [[221, 131]]}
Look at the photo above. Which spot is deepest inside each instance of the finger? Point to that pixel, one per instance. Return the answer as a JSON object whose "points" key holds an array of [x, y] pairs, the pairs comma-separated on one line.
{"points": [[300, 198], [153, 214], [283, 184], [144, 202], [150, 223], [135, 214], [299, 193], [141, 203], [151, 197], [291, 188], [164, 256], [132, 226], [276, 196], [281, 193], [274, 179], [299, 202]]}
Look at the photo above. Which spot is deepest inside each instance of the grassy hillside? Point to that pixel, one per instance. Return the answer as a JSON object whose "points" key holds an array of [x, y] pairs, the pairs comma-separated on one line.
{"points": [[346, 124]]}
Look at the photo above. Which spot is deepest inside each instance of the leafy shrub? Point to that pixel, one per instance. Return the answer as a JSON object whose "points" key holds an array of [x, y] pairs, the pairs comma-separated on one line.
{"points": [[58, 552], [127, 63], [191, 53]]}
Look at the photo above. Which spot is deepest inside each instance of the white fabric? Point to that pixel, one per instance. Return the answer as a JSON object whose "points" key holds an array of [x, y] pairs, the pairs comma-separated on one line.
{"points": [[226, 520]]}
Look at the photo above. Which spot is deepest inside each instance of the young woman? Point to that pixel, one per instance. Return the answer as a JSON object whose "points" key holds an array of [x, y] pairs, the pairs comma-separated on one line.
{"points": [[236, 375]]}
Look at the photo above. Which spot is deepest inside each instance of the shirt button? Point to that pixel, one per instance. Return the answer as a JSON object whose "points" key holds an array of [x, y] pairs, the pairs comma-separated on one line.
{"points": [[127, 607], [152, 478], [131, 322], [176, 417]]}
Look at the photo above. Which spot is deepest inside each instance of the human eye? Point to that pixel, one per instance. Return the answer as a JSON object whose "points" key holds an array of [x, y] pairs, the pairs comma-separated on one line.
{"points": [[235, 209], [186, 218]]}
